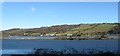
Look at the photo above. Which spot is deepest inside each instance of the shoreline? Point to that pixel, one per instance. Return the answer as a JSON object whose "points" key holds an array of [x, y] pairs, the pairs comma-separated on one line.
{"points": [[105, 37]]}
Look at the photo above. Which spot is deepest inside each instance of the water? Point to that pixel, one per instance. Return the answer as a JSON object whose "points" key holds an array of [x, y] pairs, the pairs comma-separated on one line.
{"points": [[27, 46]]}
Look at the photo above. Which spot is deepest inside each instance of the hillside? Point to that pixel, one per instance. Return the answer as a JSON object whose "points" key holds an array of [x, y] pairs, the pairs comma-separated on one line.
{"points": [[67, 30]]}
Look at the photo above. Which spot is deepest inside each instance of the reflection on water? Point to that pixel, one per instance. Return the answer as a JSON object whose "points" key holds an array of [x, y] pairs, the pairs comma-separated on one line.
{"points": [[16, 51]]}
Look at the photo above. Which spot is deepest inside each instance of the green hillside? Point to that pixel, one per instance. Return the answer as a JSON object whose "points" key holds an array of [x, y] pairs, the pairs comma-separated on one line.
{"points": [[66, 30], [90, 29]]}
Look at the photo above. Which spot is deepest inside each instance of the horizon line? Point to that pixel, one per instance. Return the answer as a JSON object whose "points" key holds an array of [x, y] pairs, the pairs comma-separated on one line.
{"points": [[56, 25]]}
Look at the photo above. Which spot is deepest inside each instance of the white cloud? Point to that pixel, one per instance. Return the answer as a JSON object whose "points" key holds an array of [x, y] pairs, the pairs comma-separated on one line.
{"points": [[1, 2], [33, 9]]}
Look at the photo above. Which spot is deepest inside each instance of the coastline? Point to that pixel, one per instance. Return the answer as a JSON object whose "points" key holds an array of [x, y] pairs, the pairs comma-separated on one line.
{"points": [[100, 37]]}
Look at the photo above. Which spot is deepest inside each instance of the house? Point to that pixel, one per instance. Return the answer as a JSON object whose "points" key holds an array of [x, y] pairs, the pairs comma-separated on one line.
{"points": [[69, 34]]}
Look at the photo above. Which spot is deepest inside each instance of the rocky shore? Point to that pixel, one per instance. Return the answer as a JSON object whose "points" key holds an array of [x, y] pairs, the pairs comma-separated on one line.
{"points": [[97, 37]]}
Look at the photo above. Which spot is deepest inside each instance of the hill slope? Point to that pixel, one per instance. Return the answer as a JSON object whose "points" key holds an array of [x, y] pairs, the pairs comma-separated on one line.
{"points": [[64, 30]]}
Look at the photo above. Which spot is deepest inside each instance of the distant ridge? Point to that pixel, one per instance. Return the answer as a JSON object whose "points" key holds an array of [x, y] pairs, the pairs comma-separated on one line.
{"points": [[64, 30]]}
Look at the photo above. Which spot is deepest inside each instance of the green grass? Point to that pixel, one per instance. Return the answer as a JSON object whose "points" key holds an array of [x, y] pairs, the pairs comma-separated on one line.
{"points": [[89, 29], [82, 29], [101, 28]]}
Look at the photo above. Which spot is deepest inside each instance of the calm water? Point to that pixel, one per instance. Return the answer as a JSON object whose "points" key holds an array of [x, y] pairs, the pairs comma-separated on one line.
{"points": [[27, 46]]}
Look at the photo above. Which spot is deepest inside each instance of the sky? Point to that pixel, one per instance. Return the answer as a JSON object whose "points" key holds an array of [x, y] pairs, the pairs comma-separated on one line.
{"points": [[60, 0], [38, 14]]}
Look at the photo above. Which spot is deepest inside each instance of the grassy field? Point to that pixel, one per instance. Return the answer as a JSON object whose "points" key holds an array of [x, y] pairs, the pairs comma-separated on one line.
{"points": [[64, 30], [90, 28]]}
